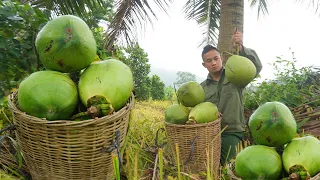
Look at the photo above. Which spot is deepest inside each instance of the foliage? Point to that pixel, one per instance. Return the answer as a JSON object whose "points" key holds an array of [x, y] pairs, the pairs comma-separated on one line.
{"points": [[5, 176], [292, 86], [101, 52], [135, 57], [207, 15], [184, 77], [169, 93], [19, 27], [91, 11], [157, 88], [129, 19]]}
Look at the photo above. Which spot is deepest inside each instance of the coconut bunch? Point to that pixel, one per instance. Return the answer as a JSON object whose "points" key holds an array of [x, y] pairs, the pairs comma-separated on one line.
{"points": [[67, 48], [191, 109], [278, 152]]}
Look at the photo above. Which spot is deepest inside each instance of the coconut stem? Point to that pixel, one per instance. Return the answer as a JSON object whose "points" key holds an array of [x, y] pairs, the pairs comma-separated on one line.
{"points": [[191, 120], [298, 172], [98, 106], [227, 53], [238, 49]]}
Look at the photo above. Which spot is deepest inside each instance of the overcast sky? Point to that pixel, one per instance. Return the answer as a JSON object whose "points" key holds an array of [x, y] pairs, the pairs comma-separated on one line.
{"points": [[173, 41]]}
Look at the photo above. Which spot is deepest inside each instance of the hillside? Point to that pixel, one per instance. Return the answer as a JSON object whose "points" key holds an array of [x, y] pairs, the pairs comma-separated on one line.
{"points": [[169, 76]]}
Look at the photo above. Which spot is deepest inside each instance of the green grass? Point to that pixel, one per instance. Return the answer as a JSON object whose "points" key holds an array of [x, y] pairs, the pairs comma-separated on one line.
{"points": [[142, 153], [145, 155]]}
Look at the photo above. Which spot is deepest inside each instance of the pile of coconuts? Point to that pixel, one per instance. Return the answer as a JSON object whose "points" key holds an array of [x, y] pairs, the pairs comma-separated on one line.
{"points": [[67, 49], [278, 151], [192, 108]]}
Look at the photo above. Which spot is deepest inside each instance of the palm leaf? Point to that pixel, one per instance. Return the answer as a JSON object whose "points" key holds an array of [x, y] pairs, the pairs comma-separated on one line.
{"points": [[207, 14], [315, 4], [130, 17], [81, 8], [262, 6]]}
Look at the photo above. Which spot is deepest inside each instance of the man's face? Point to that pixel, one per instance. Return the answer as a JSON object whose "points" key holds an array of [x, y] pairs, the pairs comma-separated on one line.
{"points": [[212, 61]]}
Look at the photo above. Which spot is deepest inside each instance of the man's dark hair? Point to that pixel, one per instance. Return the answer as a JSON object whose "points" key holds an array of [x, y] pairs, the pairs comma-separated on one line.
{"points": [[208, 48]]}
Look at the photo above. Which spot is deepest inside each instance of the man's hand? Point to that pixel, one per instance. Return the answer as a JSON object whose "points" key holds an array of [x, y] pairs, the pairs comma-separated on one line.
{"points": [[237, 38], [219, 114]]}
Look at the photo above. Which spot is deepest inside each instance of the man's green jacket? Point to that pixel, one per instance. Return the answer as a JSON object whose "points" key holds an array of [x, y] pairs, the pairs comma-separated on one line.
{"points": [[229, 99]]}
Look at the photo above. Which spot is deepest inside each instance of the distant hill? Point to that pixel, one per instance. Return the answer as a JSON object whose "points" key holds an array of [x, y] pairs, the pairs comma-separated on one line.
{"points": [[169, 76]]}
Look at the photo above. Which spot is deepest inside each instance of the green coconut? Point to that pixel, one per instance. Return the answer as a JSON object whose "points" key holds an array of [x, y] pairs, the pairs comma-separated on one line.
{"points": [[105, 87], [203, 113], [304, 152], [272, 124], [258, 162], [66, 44], [240, 70], [48, 94], [176, 114], [190, 94]]}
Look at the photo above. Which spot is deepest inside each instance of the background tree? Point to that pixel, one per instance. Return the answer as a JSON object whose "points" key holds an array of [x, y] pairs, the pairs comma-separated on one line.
{"points": [[183, 77], [19, 27], [135, 57], [157, 88], [169, 93]]}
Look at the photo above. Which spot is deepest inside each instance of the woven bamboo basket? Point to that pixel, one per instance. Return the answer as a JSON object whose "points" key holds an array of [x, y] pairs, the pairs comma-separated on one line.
{"points": [[66, 149], [197, 137], [232, 174], [312, 125]]}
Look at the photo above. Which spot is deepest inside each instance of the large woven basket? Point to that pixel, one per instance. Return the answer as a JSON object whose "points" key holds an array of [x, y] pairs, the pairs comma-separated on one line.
{"points": [[66, 149], [232, 175], [193, 140]]}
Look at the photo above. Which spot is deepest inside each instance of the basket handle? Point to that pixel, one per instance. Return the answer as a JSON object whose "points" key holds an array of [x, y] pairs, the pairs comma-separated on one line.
{"points": [[193, 142]]}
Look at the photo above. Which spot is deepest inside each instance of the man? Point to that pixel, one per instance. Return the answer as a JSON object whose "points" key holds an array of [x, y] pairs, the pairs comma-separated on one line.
{"points": [[227, 96]]}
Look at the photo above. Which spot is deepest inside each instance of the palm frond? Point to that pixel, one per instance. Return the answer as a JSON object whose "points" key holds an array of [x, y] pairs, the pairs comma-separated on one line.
{"points": [[262, 6], [314, 4], [207, 14], [81, 8], [131, 17]]}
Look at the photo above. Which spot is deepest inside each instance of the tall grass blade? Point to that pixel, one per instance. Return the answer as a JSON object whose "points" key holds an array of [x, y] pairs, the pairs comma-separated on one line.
{"points": [[160, 155], [115, 162]]}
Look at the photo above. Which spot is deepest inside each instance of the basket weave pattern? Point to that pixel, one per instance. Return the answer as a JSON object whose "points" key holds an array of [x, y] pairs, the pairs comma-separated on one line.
{"points": [[67, 149], [204, 136], [312, 126]]}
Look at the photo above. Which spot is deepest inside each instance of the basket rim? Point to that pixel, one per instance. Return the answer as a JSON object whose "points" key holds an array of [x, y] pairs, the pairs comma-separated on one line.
{"points": [[36, 120], [192, 125]]}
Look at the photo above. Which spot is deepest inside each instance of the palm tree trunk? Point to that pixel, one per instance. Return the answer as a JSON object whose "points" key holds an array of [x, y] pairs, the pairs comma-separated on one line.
{"points": [[231, 17]]}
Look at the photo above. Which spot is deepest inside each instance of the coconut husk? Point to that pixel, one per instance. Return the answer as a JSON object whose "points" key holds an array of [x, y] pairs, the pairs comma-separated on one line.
{"points": [[232, 174]]}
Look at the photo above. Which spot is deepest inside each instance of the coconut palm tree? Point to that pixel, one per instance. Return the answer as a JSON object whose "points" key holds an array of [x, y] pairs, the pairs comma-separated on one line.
{"points": [[217, 17]]}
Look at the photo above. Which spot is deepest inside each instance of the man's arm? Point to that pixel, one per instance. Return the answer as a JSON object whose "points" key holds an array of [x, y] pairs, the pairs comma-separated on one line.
{"points": [[252, 55]]}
